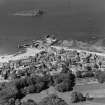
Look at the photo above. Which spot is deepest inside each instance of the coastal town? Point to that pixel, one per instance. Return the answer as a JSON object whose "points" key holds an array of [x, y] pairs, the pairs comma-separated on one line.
{"points": [[52, 52], [46, 56]]}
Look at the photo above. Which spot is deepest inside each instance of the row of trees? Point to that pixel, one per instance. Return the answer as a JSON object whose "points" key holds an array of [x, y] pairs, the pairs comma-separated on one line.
{"points": [[51, 99], [99, 75], [18, 88]]}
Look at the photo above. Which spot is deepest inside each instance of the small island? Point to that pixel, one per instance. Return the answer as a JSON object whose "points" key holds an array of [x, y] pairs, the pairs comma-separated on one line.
{"points": [[33, 12]]}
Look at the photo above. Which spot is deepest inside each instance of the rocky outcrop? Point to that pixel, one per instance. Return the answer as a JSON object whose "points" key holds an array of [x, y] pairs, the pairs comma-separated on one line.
{"points": [[33, 12]]}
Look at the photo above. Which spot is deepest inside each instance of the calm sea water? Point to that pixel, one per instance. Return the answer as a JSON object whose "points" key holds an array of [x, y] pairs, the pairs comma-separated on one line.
{"points": [[67, 19]]}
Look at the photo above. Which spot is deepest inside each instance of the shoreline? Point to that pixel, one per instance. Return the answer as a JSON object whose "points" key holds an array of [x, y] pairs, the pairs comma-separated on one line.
{"points": [[79, 50], [33, 51]]}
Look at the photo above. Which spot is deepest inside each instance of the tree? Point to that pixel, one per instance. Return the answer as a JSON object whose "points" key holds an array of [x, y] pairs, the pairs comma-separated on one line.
{"points": [[77, 97], [78, 74], [12, 76], [65, 67], [48, 81], [9, 92], [64, 86], [31, 102], [87, 96], [28, 89], [11, 101], [64, 81], [29, 81], [88, 68], [20, 83], [52, 99], [100, 76], [88, 74], [39, 87], [18, 102], [74, 97], [80, 97]]}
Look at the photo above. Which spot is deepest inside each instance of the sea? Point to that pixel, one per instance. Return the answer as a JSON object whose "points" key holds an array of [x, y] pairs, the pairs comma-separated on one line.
{"points": [[82, 20]]}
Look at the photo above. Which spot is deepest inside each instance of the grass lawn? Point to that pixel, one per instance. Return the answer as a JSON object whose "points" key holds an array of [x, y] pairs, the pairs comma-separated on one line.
{"points": [[95, 90], [99, 100], [86, 87], [86, 103], [98, 88]]}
